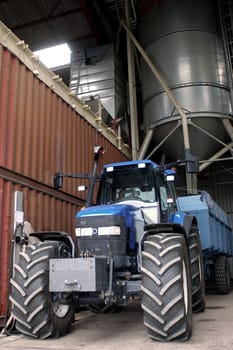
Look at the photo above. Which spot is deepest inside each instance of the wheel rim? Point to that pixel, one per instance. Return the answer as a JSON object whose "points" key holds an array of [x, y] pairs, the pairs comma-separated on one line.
{"points": [[60, 310], [185, 287], [202, 276]]}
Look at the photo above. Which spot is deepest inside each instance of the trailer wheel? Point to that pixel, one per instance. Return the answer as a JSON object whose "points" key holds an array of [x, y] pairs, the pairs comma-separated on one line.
{"points": [[222, 275], [166, 287], [37, 312], [197, 272]]}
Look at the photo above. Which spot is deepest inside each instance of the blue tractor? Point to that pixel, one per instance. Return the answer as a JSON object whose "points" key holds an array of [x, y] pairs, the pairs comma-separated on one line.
{"points": [[132, 243]]}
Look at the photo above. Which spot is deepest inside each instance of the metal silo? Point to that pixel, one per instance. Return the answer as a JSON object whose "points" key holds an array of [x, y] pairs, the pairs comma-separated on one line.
{"points": [[184, 41]]}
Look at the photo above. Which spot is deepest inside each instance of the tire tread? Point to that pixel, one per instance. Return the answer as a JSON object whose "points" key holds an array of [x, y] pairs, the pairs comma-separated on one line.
{"points": [[31, 301], [163, 282]]}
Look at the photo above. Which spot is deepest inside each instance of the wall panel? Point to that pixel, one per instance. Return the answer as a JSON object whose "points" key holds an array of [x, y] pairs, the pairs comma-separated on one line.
{"points": [[40, 134], [5, 241], [217, 180]]}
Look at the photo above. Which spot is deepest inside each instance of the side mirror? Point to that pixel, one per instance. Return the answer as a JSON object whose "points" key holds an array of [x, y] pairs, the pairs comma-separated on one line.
{"points": [[192, 164], [58, 181]]}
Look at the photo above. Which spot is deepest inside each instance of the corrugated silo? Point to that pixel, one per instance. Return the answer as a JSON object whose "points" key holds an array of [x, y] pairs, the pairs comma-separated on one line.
{"points": [[183, 39]]}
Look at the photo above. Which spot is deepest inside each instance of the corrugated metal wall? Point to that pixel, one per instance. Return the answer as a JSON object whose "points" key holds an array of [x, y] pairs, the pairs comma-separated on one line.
{"points": [[217, 179], [40, 134]]}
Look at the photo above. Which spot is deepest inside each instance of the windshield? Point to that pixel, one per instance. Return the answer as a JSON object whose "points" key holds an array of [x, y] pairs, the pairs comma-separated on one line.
{"points": [[123, 183]]}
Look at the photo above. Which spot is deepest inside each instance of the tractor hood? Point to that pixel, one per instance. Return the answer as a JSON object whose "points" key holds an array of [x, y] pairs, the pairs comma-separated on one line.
{"points": [[130, 216], [126, 209], [104, 218]]}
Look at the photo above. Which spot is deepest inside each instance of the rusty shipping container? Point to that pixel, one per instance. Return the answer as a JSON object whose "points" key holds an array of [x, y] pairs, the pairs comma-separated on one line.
{"points": [[44, 129]]}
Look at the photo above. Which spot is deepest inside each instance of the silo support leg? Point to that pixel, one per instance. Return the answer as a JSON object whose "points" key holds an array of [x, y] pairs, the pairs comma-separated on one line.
{"points": [[145, 144], [191, 183]]}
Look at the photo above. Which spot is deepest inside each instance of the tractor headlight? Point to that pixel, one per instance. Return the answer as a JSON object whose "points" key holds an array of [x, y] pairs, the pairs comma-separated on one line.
{"points": [[84, 231], [109, 230], [102, 231]]}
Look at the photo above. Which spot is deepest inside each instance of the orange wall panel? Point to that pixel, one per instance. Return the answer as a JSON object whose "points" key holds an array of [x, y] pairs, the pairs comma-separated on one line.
{"points": [[40, 134]]}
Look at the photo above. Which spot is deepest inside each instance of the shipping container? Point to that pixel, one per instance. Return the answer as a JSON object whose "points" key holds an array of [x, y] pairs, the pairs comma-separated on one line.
{"points": [[44, 129]]}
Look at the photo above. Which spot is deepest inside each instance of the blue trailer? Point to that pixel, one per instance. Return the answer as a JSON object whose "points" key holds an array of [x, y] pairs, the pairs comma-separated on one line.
{"points": [[216, 237]]}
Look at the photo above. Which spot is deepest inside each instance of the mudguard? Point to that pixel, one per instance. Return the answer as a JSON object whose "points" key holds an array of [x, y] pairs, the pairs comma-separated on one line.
{"points": [[179, 223], [184, 220], [56, 236]]}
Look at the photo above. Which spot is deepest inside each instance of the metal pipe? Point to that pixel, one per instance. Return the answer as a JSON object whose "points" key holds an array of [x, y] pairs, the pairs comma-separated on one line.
{"points": [[98, 151], [119, 136], [145, 144], [164, 85], [132, 88], [92, 184]]}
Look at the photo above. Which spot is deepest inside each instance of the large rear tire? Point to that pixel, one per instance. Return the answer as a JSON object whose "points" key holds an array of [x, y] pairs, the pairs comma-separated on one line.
{"points": [[166, 287], [222, 275], [197, 271], [37, 312]]}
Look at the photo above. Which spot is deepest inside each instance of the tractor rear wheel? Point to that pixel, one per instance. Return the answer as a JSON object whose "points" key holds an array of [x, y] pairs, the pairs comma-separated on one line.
{"points": [[166, 287], [197, 272], [222, 275], [37, 312]]}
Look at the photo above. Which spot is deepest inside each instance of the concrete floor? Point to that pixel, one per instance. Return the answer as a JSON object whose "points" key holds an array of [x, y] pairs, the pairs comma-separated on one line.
{"points": [[212, 330]]}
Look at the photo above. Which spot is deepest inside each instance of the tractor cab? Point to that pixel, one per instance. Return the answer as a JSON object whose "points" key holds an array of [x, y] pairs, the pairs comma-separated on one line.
{"points": [[139, 183]]}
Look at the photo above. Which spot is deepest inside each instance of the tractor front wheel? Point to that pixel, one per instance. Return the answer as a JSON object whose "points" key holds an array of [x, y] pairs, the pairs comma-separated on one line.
{"points": [[37, 312], [166, 287]]}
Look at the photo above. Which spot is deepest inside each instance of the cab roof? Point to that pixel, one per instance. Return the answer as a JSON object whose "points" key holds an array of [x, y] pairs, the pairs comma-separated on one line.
{"points": [[132, 162]]}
